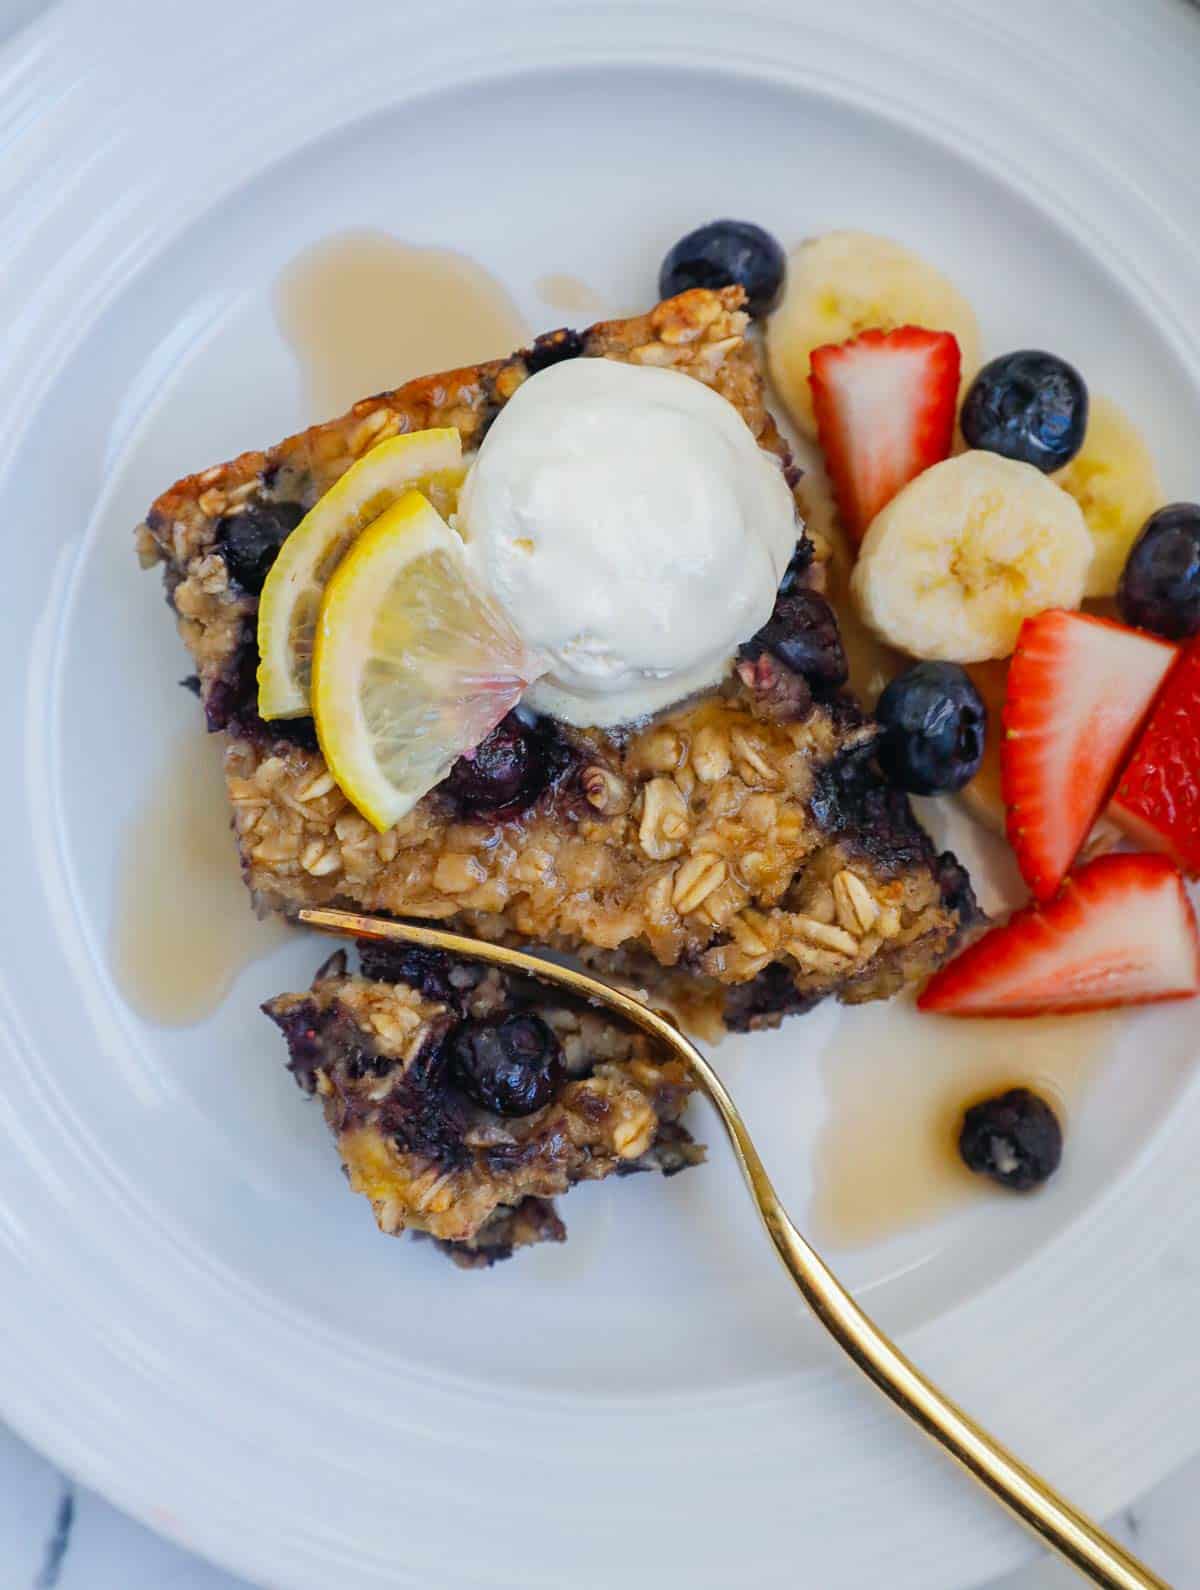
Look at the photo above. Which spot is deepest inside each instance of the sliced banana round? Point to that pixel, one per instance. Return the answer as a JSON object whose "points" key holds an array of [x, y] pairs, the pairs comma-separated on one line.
{"points": [[1113, 479], [846, 282], [957, 561]]}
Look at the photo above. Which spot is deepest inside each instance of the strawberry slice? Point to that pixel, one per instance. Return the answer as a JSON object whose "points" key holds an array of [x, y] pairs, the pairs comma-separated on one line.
{"points": [[885, 404], [1079, 688], [1120, 932], [1158, 799]]}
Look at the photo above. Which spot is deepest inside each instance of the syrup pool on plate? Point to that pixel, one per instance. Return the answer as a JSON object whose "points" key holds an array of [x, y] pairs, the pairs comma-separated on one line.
{"points": [[568, 293], [365, 312], [897, 1082], [184, 925]]}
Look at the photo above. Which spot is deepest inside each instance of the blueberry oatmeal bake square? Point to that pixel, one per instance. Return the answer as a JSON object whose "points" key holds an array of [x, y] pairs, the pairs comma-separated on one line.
{"points": [[464, 1100], [737, 851]]}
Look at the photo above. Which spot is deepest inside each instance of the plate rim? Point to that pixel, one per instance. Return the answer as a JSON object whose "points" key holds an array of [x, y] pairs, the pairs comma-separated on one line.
{"points": [[925, 1343]]}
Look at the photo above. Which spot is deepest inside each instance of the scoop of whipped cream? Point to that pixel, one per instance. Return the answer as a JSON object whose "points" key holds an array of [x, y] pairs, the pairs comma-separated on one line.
{"points": [[632, 528]]}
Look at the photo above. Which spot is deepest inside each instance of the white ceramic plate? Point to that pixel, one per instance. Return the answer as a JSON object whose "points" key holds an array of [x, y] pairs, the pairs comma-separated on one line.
{"points": [[198, 1320]]}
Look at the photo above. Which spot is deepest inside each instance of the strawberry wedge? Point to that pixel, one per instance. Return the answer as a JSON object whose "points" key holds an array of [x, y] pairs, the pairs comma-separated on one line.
{"points": [[1158, 799], [1079, 689], [1120, 932], [885, 404]]}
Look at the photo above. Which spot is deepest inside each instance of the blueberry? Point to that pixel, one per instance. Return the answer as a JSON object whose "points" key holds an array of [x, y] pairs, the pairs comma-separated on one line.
{"points": [[934, 722], [504, 770], [1160, 587], [509, 769], [232, 703], [803, 633], [508, 1064], [722, 254], [553, 347], [795, 575], [250, 540], [427, 971], [1014, 1138], [1029, 406]]}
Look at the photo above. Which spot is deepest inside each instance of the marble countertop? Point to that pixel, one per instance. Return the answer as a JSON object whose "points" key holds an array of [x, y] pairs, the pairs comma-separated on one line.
{"points": [[58, 1536]]}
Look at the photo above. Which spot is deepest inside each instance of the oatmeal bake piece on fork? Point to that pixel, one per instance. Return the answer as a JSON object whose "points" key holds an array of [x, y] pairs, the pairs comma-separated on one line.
{"points": [[739, 855], [464, 1100]]}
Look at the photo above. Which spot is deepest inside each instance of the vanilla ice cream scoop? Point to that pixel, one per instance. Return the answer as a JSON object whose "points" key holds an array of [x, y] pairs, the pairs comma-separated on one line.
{"points": [[632, 528]]}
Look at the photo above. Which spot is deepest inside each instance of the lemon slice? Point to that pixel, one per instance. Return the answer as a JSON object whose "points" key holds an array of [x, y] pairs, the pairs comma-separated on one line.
{"points": [[291, 595], [413, 663]]}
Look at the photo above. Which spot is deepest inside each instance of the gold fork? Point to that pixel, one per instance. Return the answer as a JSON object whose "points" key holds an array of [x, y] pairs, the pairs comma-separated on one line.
{"points": [[1028, 1497]]}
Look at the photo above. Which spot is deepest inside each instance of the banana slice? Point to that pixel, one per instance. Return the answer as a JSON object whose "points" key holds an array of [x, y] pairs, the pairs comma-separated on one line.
{"points": [[958, 560], [1113, 479], [846, 282]]}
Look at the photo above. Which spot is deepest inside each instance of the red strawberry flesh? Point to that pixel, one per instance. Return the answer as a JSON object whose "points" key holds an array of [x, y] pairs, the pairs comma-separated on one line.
{"points": [[1079, 689], [1120, 932], [885, 404], [1158, 798]]}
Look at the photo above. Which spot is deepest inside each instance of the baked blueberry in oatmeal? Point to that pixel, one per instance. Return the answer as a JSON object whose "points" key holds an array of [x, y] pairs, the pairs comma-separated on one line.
{"points": [[738, 850], [464, 1101]]}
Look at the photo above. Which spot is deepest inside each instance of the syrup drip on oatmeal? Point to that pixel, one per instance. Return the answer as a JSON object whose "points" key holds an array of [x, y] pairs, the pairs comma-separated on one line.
{"points": [[887, 1158], [184, 927], [365, 312], [569, 294]]}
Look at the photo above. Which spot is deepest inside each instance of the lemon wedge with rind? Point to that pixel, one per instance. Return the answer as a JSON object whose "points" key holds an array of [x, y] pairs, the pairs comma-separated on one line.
{"points": [[291, 594], [414, 663]]}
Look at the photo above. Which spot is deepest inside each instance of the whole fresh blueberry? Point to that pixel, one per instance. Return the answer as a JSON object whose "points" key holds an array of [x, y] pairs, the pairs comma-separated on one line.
{"points": [[1030, 406], [250, 540], [506, 769], [1014, 1138], [1160, 586], [508, 1064], [934, 724], [723, 254]]}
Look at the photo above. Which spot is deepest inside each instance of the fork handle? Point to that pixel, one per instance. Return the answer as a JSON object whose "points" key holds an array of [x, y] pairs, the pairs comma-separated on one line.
{"points": [[1029, 1498]]}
